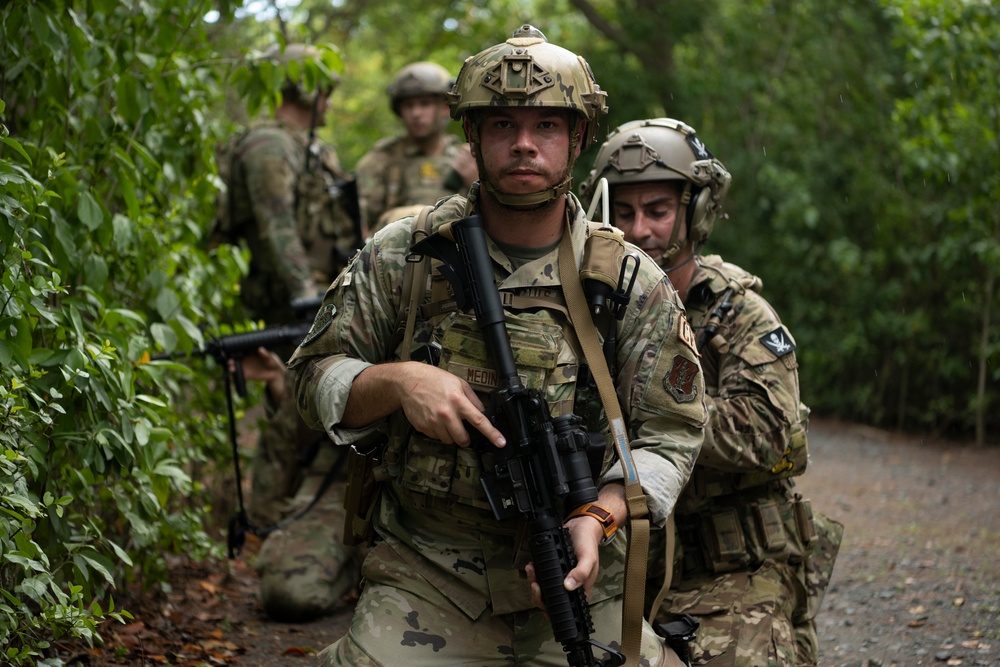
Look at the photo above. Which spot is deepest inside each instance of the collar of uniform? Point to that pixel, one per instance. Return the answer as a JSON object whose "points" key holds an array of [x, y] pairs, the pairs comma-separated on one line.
{"points": [[544, 272]]}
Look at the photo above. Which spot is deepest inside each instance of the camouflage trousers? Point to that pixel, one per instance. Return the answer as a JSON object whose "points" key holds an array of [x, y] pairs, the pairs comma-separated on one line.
{"points": [[421, 626], [305, 569], [754, 618]]}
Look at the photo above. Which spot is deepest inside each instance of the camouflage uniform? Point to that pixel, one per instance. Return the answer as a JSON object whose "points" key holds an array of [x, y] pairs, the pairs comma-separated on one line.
{"points": [[753, 561], [395, 173], [446, 583], [298, 233], [299, 238], [305, 569]]}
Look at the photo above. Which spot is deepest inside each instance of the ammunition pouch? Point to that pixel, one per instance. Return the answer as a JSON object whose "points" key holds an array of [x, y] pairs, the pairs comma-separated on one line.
{"points": [[740, 535]]}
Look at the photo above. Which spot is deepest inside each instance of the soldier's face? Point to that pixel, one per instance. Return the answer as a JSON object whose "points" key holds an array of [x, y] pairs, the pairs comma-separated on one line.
{"points": [[524, 149], [423, 115], [646, 213]]}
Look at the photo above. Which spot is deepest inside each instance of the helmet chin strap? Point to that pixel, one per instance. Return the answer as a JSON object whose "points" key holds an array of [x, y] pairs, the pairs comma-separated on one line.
{"points": [[532, 200], [673, 245]]}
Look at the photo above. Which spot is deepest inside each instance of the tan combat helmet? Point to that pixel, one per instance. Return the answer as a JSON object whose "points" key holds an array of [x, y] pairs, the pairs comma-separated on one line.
{"points": [[295, 89], [422, 78], [527, 71], [664, 149]]}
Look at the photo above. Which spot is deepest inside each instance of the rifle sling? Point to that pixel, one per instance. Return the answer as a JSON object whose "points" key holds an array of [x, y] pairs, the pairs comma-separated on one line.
{"points": [[638, 543]]}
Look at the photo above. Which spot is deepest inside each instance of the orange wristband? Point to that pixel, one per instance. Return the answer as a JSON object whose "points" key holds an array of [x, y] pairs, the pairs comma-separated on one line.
{"points": [[603, 516]]}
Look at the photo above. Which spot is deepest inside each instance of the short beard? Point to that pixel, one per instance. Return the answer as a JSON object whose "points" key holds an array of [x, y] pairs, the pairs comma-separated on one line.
{"points": [[495, 187]]}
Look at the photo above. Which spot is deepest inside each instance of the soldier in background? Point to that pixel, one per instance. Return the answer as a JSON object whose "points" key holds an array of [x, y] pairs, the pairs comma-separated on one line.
{"points": [[400, 174], [288, 198], [752, 561]]}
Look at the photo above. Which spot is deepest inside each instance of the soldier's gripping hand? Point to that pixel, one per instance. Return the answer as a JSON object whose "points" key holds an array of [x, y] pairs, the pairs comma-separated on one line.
{"points": [[587, 535], [434, 401]]}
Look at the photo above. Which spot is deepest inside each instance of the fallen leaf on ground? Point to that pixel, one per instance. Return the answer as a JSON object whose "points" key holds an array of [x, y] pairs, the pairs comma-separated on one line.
{"points": [[919, 609]]}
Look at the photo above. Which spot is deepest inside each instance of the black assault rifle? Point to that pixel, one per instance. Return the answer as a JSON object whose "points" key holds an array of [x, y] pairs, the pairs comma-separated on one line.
{"points": [[548, 466], [235, 347]]}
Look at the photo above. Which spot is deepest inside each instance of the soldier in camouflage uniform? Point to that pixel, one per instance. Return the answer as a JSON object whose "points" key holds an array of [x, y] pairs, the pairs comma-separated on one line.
{"points": [[445, 584], [752, 560], [285, 199], [424, 164]]}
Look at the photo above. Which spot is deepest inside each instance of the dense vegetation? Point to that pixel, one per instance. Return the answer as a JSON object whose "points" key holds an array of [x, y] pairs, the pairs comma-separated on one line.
{"points": [[862, 135]]}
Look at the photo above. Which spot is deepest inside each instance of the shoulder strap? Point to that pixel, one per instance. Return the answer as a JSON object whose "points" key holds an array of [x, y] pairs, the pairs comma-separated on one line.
{"points": [[414, 284], [638, 543]]}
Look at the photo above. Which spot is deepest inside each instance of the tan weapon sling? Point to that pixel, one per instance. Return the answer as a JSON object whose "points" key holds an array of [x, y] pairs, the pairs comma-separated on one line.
{"points": [[638, 543]]}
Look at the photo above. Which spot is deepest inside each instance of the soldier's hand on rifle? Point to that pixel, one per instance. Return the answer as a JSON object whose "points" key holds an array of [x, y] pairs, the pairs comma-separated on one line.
{"points": [[587, 534], [264, 366], [434, 401]]}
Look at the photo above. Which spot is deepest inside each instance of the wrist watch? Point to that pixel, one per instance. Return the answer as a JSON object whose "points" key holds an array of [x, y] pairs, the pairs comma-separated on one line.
{"points": [[603, 516]]}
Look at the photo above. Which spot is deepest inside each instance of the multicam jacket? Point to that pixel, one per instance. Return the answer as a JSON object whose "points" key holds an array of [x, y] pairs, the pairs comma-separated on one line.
{"points": [[433, 512], [756, 431], [290, 215], [394, 173]]}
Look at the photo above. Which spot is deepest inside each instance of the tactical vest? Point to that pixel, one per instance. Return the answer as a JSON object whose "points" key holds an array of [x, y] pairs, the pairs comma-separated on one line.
{"points": [[414, 179], [446, 478], [322, 221]]}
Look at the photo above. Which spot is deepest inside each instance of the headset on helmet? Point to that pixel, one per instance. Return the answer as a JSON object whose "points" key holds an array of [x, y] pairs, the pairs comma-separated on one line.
{"points": [[293, 57], [527, 71], [422, 78], [664, 149]]}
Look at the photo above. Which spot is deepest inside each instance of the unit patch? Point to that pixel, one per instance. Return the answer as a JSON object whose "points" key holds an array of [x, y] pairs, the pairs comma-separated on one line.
{"points": [[679, 382], [778, 342], [324, 318]]}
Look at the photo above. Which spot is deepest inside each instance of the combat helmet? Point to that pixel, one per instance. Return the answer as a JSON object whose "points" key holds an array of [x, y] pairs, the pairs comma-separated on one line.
{"points": [[528, 71], [296, 89], [421, 78], [664, 149]]}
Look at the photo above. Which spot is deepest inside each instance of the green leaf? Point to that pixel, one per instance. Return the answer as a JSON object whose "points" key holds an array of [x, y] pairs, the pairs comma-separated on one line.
{"points": [[16, 145], [164, 336], [89, 211]]}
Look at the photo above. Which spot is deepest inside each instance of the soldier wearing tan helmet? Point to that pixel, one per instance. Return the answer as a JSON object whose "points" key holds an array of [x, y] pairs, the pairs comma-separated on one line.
{"points": [[286, 199], [450, 580], [400, 174], [752, 560]]}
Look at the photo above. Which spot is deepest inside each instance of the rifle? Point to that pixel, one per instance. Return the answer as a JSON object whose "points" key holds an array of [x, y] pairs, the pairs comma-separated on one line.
{"points": [[235, 347], [548, 466]]}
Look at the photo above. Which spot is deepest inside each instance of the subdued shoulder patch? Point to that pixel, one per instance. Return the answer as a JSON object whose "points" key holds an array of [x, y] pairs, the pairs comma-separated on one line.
{"points": [[679, 380], [324, 318], [686, 334], [778, 342]]}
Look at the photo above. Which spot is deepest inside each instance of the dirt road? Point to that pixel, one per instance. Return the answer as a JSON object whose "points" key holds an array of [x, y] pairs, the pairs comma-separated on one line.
{"points": [[917, 581]]}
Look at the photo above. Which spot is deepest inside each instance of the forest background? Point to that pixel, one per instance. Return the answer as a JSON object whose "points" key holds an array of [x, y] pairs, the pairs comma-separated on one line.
{"points": [[863, 137]]}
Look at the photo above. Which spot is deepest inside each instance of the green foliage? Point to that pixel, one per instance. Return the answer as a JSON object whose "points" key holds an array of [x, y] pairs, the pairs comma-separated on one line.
{"points": [[106, 191]]}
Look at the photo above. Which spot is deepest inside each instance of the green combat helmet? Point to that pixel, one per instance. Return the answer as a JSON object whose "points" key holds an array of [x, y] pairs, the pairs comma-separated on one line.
{"points": [[664, 149], [295, 88], [527, 71], [422, 78]]}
